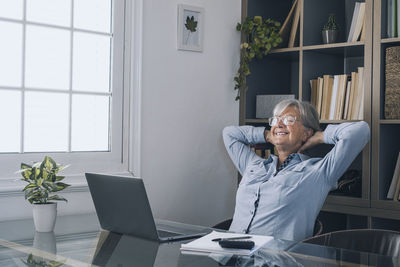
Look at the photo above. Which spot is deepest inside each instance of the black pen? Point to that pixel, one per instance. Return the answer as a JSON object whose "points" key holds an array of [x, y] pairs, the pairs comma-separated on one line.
{"points": [[230, 238]]}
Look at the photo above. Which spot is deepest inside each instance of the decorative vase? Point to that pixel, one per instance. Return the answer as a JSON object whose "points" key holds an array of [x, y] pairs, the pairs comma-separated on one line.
{"points": [[44, 216], [329, 36]]}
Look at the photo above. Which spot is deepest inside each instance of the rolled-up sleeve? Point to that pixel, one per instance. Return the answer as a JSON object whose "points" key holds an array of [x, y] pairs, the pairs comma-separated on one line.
{"points": [[237, 140]]}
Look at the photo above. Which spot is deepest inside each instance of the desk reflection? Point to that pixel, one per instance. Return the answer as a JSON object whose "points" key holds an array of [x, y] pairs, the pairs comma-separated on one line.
{"points": [[45, 241], [123, 250]]}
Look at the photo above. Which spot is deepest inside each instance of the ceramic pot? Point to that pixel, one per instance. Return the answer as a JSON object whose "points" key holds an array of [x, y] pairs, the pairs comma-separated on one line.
{"points": [[329, 36], [44, 216]]}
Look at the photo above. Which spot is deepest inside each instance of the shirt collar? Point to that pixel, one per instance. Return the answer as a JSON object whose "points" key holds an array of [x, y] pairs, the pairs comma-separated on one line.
{"points": [[299, 156]]}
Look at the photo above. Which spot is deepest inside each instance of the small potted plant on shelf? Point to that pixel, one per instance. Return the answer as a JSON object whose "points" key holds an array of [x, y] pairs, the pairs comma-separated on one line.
{"points": [[259, 37], [330, 30], [42, 180]]}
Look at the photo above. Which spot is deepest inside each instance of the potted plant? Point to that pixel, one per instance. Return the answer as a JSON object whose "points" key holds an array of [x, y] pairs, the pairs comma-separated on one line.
{"points": [[259, 37], [330, 30], [42, 180]]}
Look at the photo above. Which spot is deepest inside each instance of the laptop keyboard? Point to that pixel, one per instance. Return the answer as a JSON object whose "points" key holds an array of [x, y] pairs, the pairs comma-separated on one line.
{"points": [[162, 233]]}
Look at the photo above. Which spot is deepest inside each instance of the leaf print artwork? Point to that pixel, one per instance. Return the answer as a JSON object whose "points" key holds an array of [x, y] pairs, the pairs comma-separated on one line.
{"points": [[191, 26]]}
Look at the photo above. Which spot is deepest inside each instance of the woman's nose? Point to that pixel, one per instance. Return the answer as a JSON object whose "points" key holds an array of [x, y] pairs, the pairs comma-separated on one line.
{"points": [[280, 123]]}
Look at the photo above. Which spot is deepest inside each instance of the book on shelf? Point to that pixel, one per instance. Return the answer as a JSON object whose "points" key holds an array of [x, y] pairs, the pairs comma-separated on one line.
{"points": [[346, 105], [286, 26], [395, 180], [362, 37], [361, 86], [353, 21], [397, 17], [358, 95], [397, 190], [334, 96], [357, 22], [320, 90], [327, 96], [314, 92], [351, 100], [340, 96], [392, 20], [395, 28], [295, 25]]}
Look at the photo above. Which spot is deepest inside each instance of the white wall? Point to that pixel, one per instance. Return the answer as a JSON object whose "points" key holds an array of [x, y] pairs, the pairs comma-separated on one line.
{"points": [[187, 99]]}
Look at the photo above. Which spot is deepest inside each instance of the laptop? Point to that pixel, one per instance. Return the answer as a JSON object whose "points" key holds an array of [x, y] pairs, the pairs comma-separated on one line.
{"points": [[122, 207]]}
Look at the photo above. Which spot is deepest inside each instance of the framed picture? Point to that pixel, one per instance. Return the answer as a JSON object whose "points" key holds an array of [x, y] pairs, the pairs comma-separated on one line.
{"points": [[190, 28]]}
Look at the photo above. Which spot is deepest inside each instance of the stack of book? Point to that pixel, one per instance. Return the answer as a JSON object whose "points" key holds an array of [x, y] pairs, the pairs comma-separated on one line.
{"points": [[357, 26], [339, 97], [393, 23], [394, 189]]}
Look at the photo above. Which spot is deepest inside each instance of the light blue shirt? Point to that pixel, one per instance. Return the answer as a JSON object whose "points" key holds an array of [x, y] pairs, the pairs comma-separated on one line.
{"points": [[289, 202]]}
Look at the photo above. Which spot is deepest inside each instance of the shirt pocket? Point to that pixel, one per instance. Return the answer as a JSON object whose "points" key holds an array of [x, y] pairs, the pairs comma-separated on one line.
{"points": [[290, 178]]}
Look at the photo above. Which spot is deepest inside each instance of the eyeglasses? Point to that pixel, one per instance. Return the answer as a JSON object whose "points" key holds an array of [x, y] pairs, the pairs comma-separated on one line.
{"points": [[287, 120]]}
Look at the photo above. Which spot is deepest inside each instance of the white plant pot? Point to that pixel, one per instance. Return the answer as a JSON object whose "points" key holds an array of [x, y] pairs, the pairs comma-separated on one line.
{"points": [[44, 216]]}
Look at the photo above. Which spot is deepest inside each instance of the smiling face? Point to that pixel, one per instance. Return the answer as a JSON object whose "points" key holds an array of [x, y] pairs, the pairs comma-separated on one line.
{"points": [[289, 137]]}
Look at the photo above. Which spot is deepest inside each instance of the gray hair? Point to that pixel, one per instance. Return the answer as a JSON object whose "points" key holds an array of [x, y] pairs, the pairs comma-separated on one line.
{"points": [[308, 114]]}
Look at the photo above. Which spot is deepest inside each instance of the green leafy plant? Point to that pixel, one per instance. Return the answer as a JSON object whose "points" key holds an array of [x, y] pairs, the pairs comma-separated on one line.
{"points": [[331, 24], [42, 180], [32, 262], [190, 25], [259, 37]]}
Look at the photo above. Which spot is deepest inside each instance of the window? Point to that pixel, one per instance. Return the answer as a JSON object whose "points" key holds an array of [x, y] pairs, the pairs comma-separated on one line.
{"points": [[61, 84]]}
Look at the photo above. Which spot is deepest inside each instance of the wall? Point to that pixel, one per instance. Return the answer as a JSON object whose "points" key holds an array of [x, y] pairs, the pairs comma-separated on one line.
{"points": [[187, 99]]}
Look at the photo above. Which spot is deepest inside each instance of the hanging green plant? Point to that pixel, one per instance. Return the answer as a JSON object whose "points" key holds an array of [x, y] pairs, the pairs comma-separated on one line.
{"points": [[260, 36]]}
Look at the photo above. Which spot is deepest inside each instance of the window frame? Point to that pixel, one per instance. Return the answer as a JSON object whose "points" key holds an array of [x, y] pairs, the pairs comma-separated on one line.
{"points": [[113, 161]]}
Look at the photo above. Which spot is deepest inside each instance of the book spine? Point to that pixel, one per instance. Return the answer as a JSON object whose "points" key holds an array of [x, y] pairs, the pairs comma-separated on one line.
{"points": [[353, 21], [395, 30], [393, 184], [390, 19]]}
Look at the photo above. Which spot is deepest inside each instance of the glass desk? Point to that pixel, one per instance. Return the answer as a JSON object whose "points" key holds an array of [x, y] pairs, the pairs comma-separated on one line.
{"points": [[79, 241]]}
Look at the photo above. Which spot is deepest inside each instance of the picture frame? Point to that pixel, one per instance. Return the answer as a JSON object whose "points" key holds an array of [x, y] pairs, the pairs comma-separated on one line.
{"points": [[190, 28]]}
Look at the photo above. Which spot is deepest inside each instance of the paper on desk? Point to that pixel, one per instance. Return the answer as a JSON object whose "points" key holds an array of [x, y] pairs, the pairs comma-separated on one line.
{"points": [[205, 244]]}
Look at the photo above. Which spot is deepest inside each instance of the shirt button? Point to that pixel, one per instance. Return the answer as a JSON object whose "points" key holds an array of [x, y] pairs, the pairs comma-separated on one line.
{"points": [[251, 212]]}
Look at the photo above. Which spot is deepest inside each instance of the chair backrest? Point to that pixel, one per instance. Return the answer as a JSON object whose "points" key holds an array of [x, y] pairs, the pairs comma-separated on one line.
{"points": [[383, 242]]}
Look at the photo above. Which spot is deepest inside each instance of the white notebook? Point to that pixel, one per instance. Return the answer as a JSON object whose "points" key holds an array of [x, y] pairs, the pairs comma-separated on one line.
{"points": [[206, 245]]}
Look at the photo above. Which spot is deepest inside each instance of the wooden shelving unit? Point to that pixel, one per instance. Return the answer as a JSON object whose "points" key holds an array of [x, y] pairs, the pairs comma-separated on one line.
{"points": [[289, 70], [385, 141]]}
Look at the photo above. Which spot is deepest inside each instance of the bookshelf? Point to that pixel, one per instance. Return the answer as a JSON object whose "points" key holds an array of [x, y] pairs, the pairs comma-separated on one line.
{"points": [[289, 71], [385, 142]]}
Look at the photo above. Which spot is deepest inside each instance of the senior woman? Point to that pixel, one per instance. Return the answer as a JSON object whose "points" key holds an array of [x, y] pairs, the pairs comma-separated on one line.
{"points": [[281, 196]]}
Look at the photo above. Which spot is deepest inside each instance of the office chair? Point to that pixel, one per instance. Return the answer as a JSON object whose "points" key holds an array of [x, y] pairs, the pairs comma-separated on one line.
{"points": [[383, 242], [318, 227]]}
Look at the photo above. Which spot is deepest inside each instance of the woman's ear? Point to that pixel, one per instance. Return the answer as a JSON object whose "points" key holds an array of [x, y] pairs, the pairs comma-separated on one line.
{"points": [[307, 134]]}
